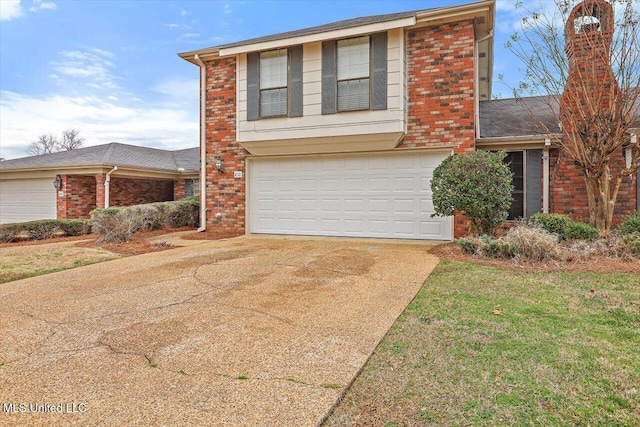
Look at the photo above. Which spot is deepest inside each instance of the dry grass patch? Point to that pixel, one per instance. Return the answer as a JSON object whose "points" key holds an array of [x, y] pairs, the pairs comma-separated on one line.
{"points": [[21, 261], [492, 346]]}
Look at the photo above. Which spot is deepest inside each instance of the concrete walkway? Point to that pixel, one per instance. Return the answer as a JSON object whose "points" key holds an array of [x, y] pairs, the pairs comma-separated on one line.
{"points": [[255, 331]]}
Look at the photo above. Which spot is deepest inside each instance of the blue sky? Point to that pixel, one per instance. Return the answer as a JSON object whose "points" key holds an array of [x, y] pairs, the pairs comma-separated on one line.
{"points": [[111, 70]]}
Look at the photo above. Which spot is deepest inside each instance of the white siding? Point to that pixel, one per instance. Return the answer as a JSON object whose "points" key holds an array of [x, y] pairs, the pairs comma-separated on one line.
{"points": [[313, 123]]}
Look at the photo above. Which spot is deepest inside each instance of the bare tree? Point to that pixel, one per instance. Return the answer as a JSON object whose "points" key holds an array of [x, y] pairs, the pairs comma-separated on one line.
{"points": [[71, 140], [592, 71], [44, 145]]}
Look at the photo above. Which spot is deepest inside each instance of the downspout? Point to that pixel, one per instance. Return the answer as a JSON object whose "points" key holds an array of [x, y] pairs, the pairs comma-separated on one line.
{"points": [[545, 175], [107, 180], [203, 145], [476, 79]]}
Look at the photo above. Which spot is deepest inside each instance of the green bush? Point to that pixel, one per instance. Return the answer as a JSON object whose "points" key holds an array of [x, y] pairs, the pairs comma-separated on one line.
{"points": [[43, 229], [553, 223], [632, 243], [495, 248], [467, 245], [477, 184], [580, 230], [630, 225]]}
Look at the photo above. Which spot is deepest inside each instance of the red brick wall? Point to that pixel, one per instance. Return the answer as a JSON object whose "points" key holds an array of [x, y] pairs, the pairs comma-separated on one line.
{"points": [[178, 189], [568, 194], [79, 196], [440, 86], [100, 177], [129, 191], [225, 194]]}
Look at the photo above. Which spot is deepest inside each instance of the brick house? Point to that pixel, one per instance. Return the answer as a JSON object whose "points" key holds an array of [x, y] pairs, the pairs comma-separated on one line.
{"points": [[70, 184], [335, 130]]}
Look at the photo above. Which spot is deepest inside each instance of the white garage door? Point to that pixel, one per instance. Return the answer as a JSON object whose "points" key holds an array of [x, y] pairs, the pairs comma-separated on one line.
{"points": [[384, 196], [24, 200]]}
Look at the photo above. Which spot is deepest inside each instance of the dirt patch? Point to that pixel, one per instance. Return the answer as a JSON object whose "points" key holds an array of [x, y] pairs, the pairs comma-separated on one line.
{"points": [[211, 235], [595, 264]]}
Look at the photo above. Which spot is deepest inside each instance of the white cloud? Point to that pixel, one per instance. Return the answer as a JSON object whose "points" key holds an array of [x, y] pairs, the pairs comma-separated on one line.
{"points": [[179, 88], [183, 13], [10, 9], [101, 120], [38, 5], [92, 65]]}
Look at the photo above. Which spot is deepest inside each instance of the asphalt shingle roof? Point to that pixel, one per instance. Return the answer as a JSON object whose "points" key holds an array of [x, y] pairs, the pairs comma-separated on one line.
{"points": [[518, 117], [113, 154], [340, 25]]}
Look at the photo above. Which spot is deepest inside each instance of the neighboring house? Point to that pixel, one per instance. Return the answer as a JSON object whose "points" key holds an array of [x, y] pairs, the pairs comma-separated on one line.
{"points": [[335, 130], [70, 184], [545, 179]]}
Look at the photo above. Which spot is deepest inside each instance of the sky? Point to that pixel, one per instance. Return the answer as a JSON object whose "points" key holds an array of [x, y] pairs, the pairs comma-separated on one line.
{"points": [[110, 68]]}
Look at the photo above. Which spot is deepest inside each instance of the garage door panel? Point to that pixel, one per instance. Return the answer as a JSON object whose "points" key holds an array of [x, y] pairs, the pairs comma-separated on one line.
{"points": [[27, 200], [385, 196]]}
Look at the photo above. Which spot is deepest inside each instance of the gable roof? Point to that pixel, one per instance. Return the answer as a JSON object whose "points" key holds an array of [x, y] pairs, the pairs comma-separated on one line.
{"points": [[113, 154]]}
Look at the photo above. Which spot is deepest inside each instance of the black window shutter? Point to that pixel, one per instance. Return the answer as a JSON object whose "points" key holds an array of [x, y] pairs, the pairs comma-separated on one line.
{"points": [[295, 81], [379, 71], [329, 78], [533, 184], [253, 86]]}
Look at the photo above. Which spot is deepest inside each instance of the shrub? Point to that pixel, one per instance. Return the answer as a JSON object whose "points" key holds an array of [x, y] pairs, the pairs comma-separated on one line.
{"points": [[118, 224], [495, 248], [114, 225], [534, 243], [477, 184], [43, 229], [630, 225], [553, 223], [580, 230], [631, 243], [467, 245]]}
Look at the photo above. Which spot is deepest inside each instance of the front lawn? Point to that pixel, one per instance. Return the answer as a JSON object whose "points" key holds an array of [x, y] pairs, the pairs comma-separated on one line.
{"points": [[491, 346]]}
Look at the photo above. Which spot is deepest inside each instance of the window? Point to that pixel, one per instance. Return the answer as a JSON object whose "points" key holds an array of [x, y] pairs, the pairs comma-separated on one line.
{"points": [[191, 187], [273, 83], [353, 74], [515, 160]]}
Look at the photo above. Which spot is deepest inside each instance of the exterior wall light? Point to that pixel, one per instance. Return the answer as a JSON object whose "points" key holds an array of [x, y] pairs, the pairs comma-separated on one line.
{"points": [[57, 183], [218, 163]]}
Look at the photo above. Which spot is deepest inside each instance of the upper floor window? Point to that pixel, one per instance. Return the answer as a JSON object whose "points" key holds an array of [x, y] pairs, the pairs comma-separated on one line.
{"points": [[273, 83], [353, 74]]}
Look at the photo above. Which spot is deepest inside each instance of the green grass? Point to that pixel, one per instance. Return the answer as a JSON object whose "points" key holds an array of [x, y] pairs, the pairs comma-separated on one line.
{"points": [[563, 350]]}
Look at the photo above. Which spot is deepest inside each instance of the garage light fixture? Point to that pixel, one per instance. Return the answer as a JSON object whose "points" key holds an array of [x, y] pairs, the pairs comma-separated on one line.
{"points": [[628, 152], [57, 183], [218, 163]]}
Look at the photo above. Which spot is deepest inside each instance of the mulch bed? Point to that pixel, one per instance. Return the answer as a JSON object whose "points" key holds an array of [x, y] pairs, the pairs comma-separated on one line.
{"points": [[595, 264]]}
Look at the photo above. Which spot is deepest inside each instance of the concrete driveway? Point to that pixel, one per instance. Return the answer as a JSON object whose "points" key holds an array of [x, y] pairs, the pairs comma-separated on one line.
{"points": [[256, 330]]}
